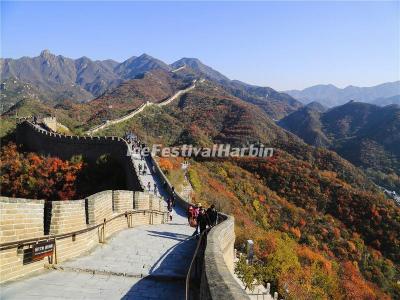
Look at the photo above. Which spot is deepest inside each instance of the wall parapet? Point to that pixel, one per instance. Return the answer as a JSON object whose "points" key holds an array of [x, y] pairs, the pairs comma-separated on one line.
{"points": [[75, 226], [217, 280]]}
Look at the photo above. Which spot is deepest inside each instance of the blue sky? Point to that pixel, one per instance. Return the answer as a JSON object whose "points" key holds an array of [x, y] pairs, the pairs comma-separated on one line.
{"points": [[284, 45]]}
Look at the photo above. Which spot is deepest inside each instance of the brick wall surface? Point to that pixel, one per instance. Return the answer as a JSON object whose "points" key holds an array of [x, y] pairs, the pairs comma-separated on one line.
{"points": [[142, 200], [140, 218], [123, 200], [100, 207], [67, 216], [20, 219], [12, 266], [71, 247]]}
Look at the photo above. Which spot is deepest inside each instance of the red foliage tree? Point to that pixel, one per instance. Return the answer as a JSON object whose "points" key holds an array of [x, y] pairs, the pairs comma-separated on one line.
{"points": [[30, 175]]}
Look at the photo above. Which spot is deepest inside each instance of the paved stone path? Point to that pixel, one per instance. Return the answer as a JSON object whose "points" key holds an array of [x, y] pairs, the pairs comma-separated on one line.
{"points": [[145, 262]]}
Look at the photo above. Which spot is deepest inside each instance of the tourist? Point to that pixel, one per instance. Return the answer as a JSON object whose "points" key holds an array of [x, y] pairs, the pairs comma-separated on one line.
{"points": [[148, 186], [155, 188], [202, 220], [191, 217], [144, 169], [212, 215], [196, 211], [190, 213], [173, 196], [170, 213], [140, 168], [169, 203]]}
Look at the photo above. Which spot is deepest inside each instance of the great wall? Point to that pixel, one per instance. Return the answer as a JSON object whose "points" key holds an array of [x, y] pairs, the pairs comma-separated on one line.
{"points": [[133, 113], [78, 226]]}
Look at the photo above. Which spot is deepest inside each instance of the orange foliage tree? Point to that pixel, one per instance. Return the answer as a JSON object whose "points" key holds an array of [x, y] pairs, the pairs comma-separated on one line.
{"points": [[30, 175], [165, 164]]}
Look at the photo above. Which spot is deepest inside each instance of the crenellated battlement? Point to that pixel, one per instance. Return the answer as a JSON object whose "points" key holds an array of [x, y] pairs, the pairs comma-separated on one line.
{"points": [[37, 139]]}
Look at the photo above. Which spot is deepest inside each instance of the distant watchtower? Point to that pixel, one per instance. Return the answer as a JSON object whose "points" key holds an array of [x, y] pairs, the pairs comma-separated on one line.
{"points": [[50, 122]]}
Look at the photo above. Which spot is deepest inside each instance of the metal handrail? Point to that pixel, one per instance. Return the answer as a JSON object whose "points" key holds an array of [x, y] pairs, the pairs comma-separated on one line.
{"points": [[188, 275], [4, 246], [203, 236]]}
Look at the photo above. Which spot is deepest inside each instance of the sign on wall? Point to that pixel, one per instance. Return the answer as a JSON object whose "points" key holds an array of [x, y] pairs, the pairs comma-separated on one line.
{"points": [[42, 249]]}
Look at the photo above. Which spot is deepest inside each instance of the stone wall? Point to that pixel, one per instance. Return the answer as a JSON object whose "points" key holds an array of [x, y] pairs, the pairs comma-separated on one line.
{"points": [[142, 200], [20, 219], [123, 200], [217, 281], [50, 122], [42, 141], [100, 207], [76, 225], [67, 216]]}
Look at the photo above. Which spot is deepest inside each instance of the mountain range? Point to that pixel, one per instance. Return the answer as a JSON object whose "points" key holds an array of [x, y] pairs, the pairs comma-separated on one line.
{"points": [[55, 78], [330, 95], [365, 134], [325, 210]]}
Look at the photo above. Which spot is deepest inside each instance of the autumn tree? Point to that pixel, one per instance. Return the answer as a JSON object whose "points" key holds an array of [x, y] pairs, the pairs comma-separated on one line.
{"points": [[30, 175]]}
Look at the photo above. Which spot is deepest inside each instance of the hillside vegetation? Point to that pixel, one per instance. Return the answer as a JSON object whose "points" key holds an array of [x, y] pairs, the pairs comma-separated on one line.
{"points": [[306, 208], [322, 229]]}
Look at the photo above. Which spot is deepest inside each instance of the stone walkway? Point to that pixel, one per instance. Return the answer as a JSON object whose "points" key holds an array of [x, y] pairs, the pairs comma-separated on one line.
{"points": [[145, 262]]}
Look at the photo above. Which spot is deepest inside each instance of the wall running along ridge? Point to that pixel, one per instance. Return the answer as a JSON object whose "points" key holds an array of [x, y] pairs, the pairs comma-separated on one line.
{"points": [[109, 123], [22, 219]]}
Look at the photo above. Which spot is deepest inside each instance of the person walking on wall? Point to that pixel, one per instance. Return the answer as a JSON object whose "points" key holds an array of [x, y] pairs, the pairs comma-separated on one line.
{"points": [[170, 213], [148, 186], [155, 188], [202, 220], [212, 215], [169, 208], [196, 211], [173, 195], [144, 169], [190, 214]]}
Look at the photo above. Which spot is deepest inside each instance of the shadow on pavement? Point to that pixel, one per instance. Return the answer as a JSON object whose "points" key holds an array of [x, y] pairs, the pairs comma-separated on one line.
{"points": [[166, 279], [169, 235]]}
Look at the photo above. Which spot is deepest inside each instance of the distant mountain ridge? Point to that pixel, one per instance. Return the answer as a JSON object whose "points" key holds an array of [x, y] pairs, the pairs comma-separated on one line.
{"points": [[330, 95], [365, 134], [56, 78]]}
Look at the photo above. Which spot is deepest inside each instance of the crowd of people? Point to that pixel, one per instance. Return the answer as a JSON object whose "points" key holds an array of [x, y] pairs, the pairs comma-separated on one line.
{"points": [[137, 145], [200, 218]]}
